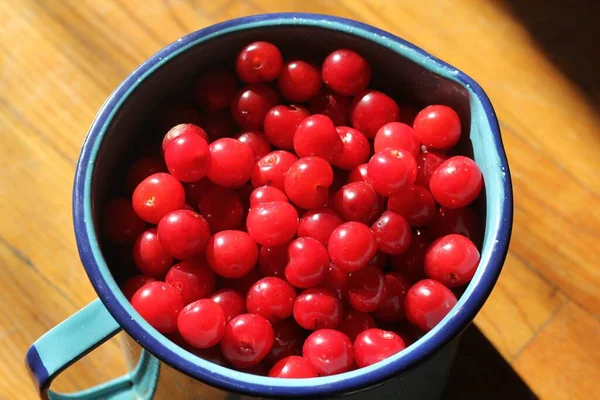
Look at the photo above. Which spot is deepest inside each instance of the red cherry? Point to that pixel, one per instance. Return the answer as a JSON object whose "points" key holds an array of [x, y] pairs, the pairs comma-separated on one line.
{"points": [[281, 123], [355, 148], [214, 90], [308, 263], [149, 256], [335, 279], [256, 141], [351, 246], [232, 163], [159, 304], [231, 301], [195, 190], [272, 224], [292, 367], [354, 323], [346, 72], [316, 136], [307, 182], [391, 171], [247, 340], [272, 260], [156, 196], [222, 208], [188, 158], [218, 125], [427, 303], [288, 341], [366, 289], [201, 323], [427, 163], [193, 279], [332, 105], [410, 263], [415, 204], [242, 284], [317, 308], [271, 169], [272, 298], [392, 307], [183, 234], [397, 135], [359, 174], [299, 81], [134, 284], [329, 352], [438, 127], [120, 223], [375, 345], [380, 261], [266, 194], [251, 104], [231, 254], [463, 221], [141, 169], [452, 260], [318, 224], [259, 62], [357, 201], [392, 232], [456, 182], [370, 110]]}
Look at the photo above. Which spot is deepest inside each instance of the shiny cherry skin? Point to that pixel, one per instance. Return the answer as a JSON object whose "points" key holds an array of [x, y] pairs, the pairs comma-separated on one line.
{"points": [[201, 323], [392, 307], [391, 171], [318, 308], [195, 190], [120, 223], [232, 163], [299, 81], [214, 90], [156, 196], [149, 256], [366, 289], [159, 304], [272, 224], [251, 104], [183, 234], [271, 169], [266, 194], [222, 208], [397, 135], [292, 367], [357, 201], [141, 169], [318, 224], [281, 123], [231, 301], [257, 142], [272, 260], [392, 232], [272, 298], [456, 182], [259, 62], [351, 246], [410, 263], [218, 125], [193, 278], [355, 148], [134, 284], [316, 136], [359, 174], [346, 72], [355, 322], [247, 340], [438, 127], [182, 129], [188, 158], [231, 254], [427, 163], [370, 110], [463, 221], [375, 345], [415, 204], [452, 260], [308, 263], [288, 341], [332, 105], [307, 182], [329, 352], [427, 303]]}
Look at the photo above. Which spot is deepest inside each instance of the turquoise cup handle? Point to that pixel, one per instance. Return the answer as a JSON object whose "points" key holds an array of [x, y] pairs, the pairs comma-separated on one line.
{"points": [[75, 337]]}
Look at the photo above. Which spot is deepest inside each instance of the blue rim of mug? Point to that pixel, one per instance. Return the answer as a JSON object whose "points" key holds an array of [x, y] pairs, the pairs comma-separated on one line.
{"points": [[497, 235]]}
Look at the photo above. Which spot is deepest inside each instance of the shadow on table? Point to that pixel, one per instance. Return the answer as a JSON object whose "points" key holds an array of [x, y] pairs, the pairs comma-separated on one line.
{"points": [[480, 372]]}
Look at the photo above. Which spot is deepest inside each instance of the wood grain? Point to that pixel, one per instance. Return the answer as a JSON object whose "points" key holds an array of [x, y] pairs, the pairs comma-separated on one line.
{"points": [[59, 60]]}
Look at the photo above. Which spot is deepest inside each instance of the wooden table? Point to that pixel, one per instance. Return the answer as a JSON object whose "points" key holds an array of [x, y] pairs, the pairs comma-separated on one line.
{"points": [[60, 59]]}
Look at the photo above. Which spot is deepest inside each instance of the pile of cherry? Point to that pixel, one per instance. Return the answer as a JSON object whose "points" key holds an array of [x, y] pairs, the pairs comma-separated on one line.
{"points": [[316, 240]]}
